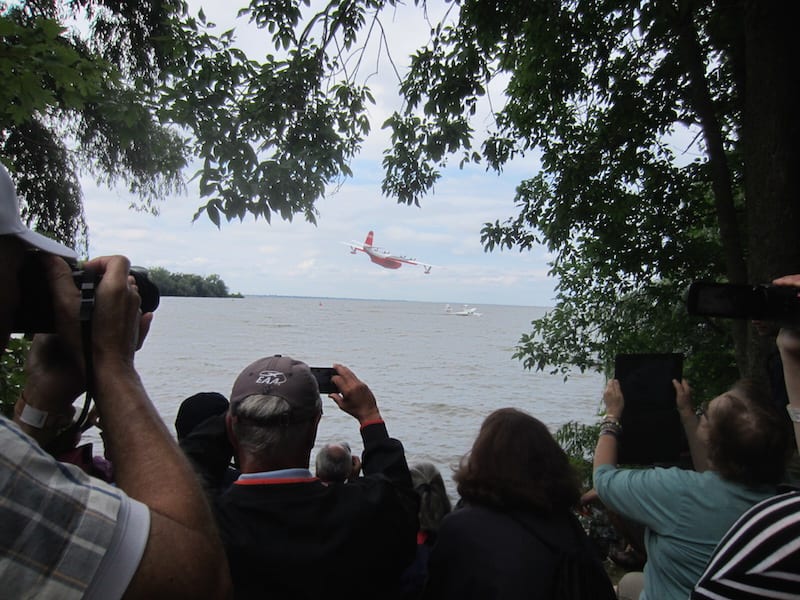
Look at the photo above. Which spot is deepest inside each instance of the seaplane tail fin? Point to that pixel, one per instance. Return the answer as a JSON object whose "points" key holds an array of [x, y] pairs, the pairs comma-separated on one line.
{"points": [[368, 241]]}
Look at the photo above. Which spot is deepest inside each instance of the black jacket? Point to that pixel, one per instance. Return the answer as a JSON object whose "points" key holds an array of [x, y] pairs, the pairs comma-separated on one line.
{"points": [[311, 540], [486, 554]]}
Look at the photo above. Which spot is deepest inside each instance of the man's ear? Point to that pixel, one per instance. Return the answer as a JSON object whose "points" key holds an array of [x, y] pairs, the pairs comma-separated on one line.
{"points": [[230, 420]]}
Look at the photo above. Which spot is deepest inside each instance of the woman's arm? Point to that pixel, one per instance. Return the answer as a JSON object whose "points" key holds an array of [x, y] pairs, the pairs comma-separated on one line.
{"points": [[697, 447], [606, 451]]}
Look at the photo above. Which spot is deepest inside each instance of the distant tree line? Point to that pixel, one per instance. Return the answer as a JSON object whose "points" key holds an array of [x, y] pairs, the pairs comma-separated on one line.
{"points": [[185, 284]]}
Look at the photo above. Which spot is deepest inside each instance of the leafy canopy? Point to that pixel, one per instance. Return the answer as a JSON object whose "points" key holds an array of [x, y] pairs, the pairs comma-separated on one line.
{"points": [[601, 94], [633, 109], [136, 91]]}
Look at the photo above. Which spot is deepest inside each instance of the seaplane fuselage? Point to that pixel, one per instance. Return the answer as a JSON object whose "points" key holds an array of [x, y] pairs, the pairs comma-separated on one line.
{"points": [[382, 257], [384, 261]]}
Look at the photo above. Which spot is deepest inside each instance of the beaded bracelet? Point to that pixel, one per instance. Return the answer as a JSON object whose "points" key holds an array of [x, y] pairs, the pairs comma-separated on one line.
{"points": [[612, 432], [610, 426]]}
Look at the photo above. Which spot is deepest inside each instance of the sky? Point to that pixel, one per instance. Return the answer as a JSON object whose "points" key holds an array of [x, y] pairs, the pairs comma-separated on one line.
{"points": [[296, 258]]}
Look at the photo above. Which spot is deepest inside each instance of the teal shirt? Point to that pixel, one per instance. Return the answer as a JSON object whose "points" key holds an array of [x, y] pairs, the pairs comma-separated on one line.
{"points": [[685, 513]]}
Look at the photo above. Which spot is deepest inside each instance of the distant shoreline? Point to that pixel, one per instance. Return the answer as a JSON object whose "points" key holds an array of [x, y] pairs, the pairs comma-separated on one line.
{"points": [[282, 296]]}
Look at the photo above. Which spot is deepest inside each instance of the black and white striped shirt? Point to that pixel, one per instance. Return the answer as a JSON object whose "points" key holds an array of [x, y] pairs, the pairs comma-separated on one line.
{"points": [[759, 557]]}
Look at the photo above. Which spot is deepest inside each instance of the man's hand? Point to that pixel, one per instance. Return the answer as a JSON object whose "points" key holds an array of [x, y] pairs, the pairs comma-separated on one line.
{"points": [[613, 399], [118, 328], [683, 398], [589, 497], [355, 471], [788, 280], [66, 306], [354, 397], [54, 375], [55, 370]]}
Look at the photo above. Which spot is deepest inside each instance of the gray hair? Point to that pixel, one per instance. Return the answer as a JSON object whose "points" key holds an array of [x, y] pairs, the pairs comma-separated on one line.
{"points": [[434, 503], [334, 462], [264, 423]]}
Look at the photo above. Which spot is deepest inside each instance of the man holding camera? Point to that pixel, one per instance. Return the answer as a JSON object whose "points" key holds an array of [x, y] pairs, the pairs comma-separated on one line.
{"points": [[288, 534], [65, 534]]}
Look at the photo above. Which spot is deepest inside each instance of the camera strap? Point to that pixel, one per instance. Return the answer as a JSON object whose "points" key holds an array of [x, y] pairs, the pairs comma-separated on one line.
{"points": [[87, 288], [66, 438]]}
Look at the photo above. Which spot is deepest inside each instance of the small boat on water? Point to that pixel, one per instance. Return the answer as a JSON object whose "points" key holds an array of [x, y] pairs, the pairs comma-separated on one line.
{"points": [[467, 311]]}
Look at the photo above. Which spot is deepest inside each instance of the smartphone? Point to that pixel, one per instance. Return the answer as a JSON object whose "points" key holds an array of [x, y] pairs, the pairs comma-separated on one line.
{"points": [[779, 303], [323, 376]]}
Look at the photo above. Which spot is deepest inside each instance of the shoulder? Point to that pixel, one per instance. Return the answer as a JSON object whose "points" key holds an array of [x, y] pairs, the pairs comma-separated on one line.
{"points": [[638, 489], [475, 521], [472, 513], [469, 522], [82, 514], [781, 511]]}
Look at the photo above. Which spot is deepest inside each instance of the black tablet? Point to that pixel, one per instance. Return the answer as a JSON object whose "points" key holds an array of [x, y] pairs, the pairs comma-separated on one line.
{"points": [[651, 428]]}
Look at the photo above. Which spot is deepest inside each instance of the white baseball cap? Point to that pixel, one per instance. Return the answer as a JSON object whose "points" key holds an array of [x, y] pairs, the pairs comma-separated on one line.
{"points": [[11, 224]]}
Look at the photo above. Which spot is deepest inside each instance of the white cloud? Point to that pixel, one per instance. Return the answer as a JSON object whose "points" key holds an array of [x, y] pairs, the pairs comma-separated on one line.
{"points": [[254, 257]]}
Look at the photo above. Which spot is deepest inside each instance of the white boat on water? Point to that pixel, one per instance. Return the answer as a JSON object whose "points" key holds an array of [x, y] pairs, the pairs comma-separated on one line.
{"points": [[467, 311]]}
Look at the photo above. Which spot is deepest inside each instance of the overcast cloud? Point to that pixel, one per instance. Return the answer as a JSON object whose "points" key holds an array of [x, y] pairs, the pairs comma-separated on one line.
{"points": [[299, 259]]}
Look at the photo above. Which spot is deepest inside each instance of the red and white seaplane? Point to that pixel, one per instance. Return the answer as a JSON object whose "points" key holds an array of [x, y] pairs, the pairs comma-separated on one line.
{"points": [[383, 257]]}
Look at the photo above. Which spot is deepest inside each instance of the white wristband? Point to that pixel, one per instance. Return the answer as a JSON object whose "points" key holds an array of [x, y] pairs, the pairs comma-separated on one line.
{"points": [[33, 416], [38, 418], [794, 413]]}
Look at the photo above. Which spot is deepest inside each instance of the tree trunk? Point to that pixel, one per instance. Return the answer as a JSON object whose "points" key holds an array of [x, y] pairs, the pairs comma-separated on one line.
{"points": [[771, 145], [694, 63]]}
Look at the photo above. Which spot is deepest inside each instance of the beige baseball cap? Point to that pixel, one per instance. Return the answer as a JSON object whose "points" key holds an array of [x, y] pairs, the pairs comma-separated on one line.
{"points": [[11, 223]]}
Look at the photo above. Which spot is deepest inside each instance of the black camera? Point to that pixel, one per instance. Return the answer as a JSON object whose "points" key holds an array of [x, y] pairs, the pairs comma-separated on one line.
{"points": [[777, 303], [35, 312]]}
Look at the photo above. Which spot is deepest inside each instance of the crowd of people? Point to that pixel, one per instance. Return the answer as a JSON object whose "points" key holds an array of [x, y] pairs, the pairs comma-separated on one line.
{"points": [[231, 508]]}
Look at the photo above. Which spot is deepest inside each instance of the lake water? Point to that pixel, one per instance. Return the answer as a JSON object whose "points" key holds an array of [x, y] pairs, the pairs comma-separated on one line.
{"points": [[435, 376]]}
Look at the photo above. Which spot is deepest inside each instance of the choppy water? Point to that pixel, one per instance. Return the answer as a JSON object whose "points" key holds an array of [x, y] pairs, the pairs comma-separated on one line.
{"points": [[435, 376]]}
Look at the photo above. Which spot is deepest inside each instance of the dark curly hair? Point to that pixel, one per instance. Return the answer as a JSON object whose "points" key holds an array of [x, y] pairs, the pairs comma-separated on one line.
{"points": [[748, 442], [516, 463]]}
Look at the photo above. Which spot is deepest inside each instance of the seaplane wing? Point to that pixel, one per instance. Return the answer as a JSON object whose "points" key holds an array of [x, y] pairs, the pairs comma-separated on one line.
{"points": [[354, 246], [383, 257], [410, 261]]}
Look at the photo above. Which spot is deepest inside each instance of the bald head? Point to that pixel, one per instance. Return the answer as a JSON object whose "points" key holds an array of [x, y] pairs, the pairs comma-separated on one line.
{"points": [[334, 462]]}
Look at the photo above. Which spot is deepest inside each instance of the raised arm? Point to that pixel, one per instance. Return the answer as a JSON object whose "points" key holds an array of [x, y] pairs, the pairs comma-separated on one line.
{"points": [[183, 556], [382, 454], [385, 467], [697, 447], [354, 396], [789, 346], [606, 451]]}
